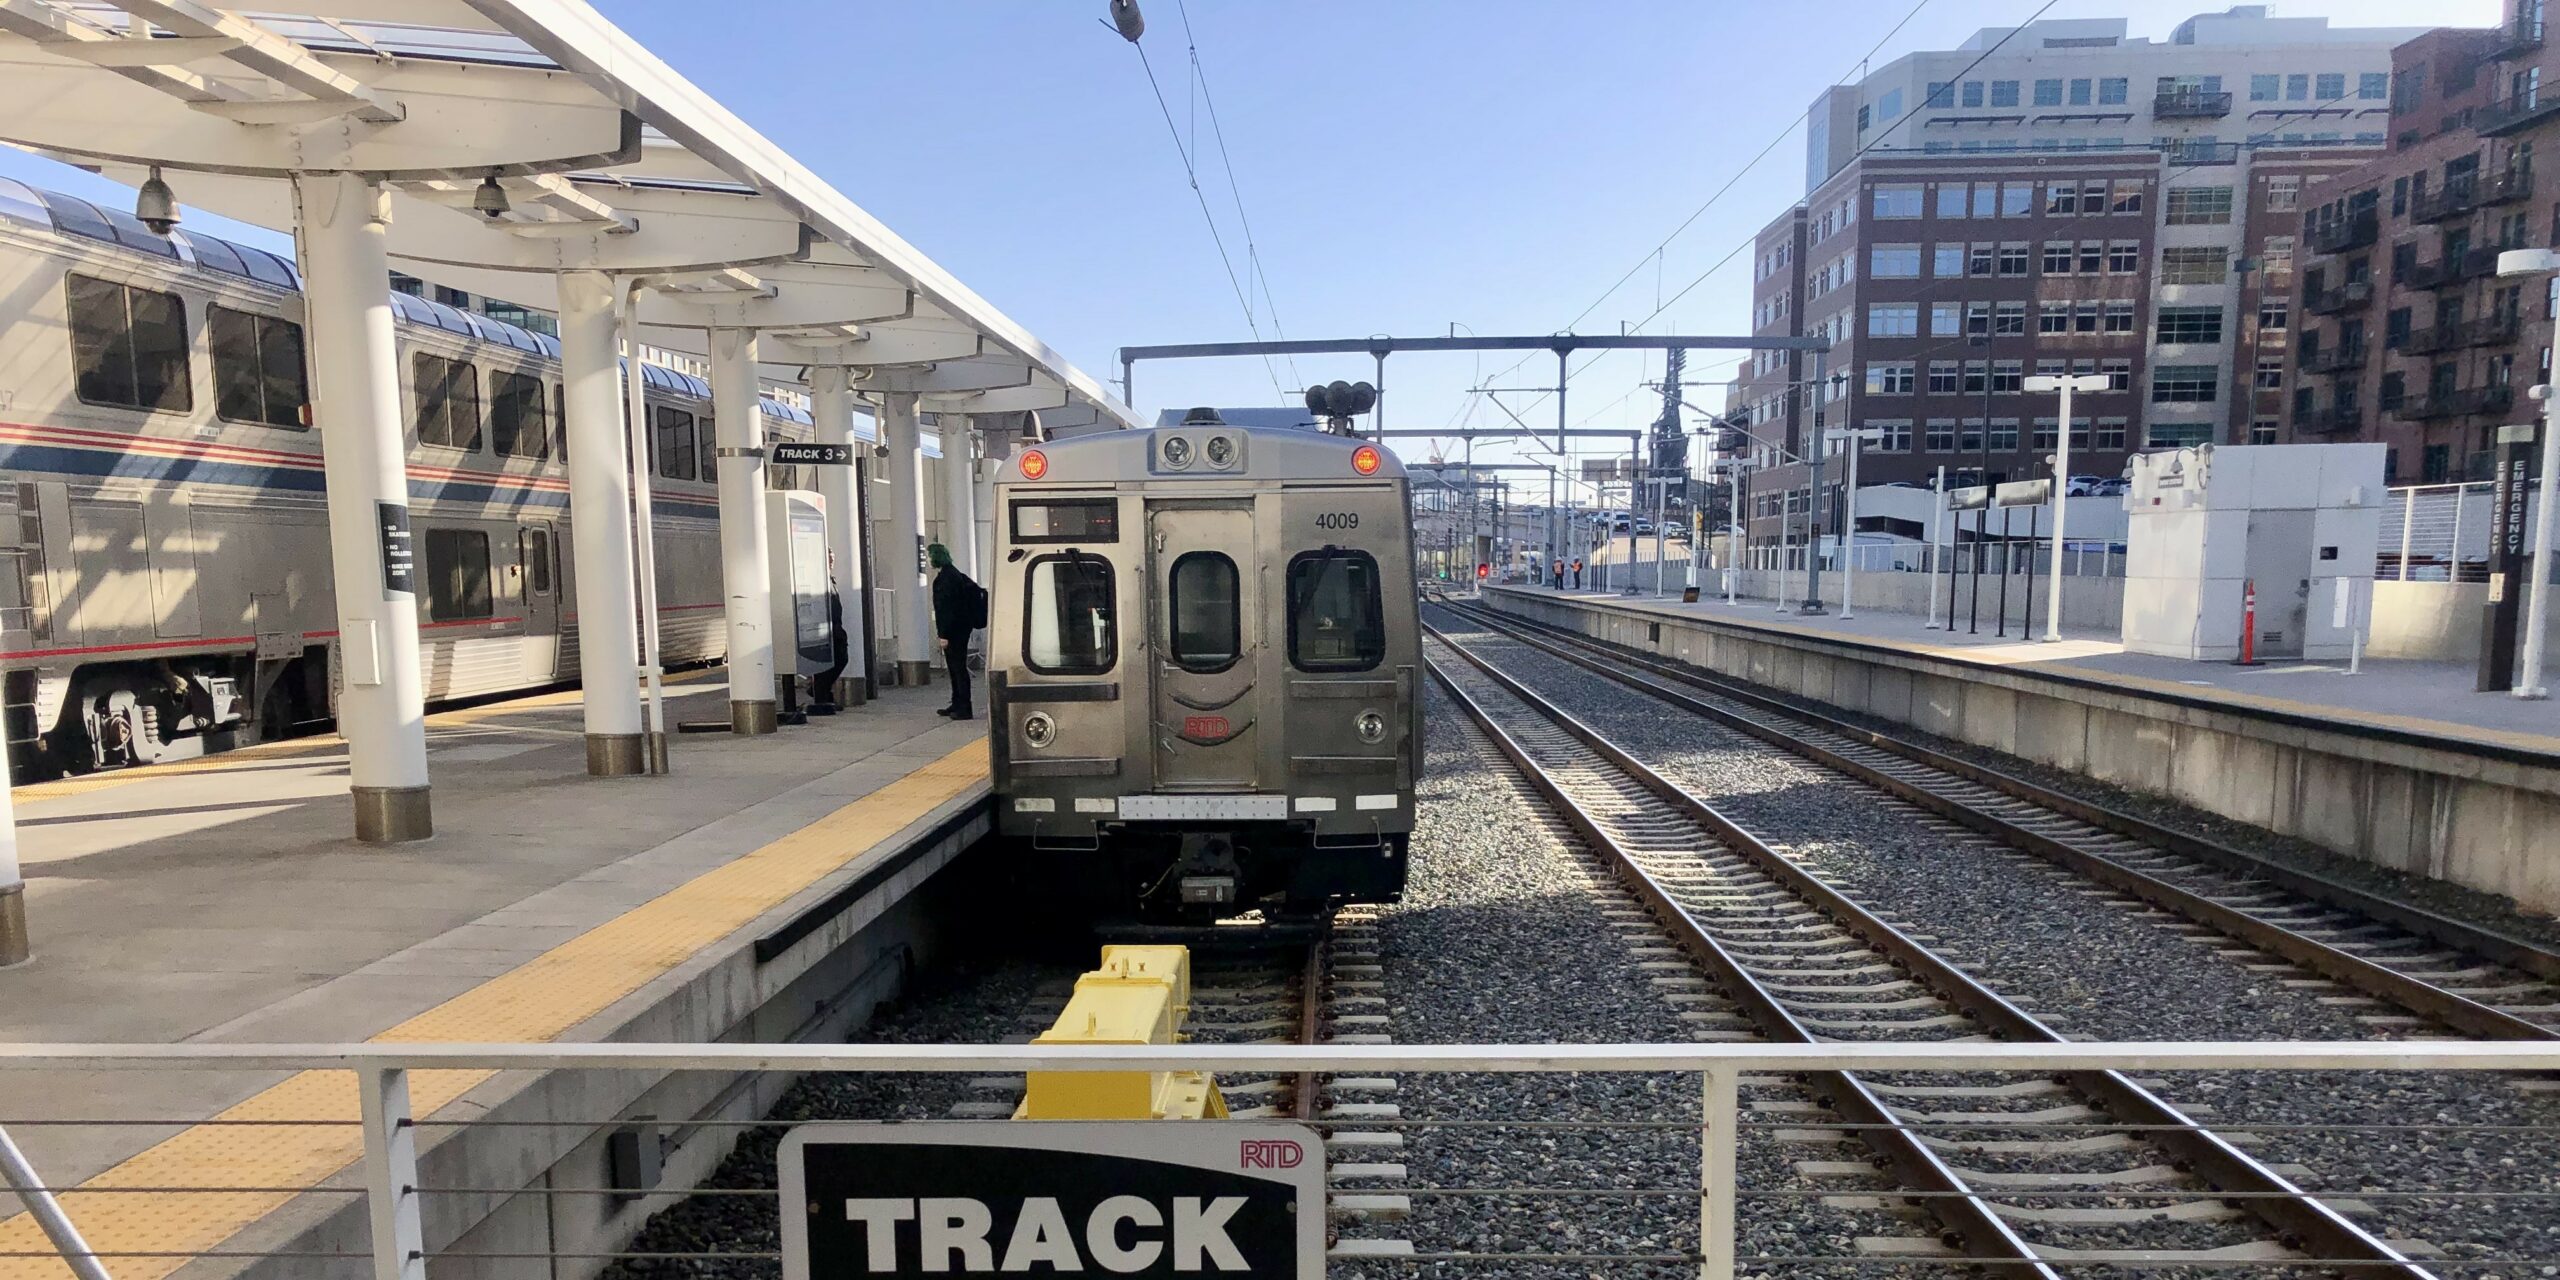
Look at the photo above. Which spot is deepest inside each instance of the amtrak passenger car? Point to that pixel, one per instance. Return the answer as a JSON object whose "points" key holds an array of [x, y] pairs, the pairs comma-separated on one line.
{"points": [[1205, 669], [165, 583]]}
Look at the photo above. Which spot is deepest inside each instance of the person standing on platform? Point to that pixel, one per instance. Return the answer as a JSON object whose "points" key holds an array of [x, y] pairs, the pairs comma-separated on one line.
{"points": [[959, 609], [839, 654], [1558, 580]]}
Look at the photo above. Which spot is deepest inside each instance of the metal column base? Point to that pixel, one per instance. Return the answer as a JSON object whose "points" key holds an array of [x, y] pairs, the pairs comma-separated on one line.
{"points": [[657, 752], [914, 675], [850, 692], [749, 719], [14, 947], [617, 755], [393, 815]]}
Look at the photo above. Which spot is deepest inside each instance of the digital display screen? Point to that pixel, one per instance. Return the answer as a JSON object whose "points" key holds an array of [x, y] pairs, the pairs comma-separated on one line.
{"points": [[1083, 520]]}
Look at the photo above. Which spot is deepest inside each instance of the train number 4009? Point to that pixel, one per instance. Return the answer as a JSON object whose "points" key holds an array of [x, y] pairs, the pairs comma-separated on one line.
{"points": [[1338, 520]]}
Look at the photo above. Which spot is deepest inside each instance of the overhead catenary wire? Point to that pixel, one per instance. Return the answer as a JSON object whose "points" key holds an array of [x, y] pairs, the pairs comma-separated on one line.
{"points": [[1218, 134]]}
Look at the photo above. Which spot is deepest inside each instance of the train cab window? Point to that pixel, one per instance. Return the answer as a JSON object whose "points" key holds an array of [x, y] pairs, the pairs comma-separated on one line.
{"points": [[448, 402], [533, 551], [1337, 617], [128, 346], [1208, 627], [675, 442], [1069, 617], [257, 368], [457, 575], [519, 416]]}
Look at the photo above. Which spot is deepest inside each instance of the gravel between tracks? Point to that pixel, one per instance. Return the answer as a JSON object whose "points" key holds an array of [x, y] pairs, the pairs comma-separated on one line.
{"points": [[2095, 971]]}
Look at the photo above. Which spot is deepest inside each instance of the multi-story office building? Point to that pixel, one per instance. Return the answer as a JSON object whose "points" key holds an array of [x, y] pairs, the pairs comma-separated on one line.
{"points": [[2408, 336], [1968, 229]]}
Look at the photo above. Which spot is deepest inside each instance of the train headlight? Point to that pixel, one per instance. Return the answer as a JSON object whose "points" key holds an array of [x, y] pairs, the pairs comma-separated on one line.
{"points": [[1038, 729], [1372, 727], [1220, 451], [1176, 452]]}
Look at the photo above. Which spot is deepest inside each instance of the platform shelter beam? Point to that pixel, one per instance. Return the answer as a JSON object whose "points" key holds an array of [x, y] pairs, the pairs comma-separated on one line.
{"points": [[745, 556], [600, 524], [897, 566], [831, 407], [355, 391]]}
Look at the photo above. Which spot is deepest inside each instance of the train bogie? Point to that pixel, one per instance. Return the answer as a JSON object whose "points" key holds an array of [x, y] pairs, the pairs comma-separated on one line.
{"points": [[1205, 669]]}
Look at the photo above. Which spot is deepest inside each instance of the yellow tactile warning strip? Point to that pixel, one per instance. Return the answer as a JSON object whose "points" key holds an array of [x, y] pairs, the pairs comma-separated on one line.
{"points": [[538, 1000], [294, 747]]}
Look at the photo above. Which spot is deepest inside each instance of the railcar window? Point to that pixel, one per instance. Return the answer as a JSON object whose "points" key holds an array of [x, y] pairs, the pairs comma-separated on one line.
{"points": [[128, 346], [457, 575], [1208, 626], [533, 550], [675, 442], [519, 421], [560, 414], [448, 402], [710, 450], [1070, 618], [257, 368], [1337, 620]]}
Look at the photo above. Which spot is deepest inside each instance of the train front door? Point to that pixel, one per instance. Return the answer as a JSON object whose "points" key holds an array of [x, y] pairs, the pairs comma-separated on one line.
{"points": [[1203, 639]]}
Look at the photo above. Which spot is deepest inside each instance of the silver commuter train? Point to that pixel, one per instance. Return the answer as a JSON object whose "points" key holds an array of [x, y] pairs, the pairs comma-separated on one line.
{"points": [[1204, 670], [164, 558]]}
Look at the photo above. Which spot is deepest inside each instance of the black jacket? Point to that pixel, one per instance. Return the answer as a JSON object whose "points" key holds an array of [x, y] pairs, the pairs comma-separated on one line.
{"points": [[955, 604]]}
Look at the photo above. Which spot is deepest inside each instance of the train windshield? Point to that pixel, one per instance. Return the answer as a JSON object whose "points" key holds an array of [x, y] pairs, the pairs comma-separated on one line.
{"points": [[1070, 616], [1337, 619]]}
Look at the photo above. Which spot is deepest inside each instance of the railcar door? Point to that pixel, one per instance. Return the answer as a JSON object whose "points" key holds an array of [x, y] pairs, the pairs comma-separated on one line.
{"points": [[1202, 644], [537, 583]]}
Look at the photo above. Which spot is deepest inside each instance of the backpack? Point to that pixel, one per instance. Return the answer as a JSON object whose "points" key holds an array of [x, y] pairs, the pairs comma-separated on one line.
{"points": [[978, 607]]}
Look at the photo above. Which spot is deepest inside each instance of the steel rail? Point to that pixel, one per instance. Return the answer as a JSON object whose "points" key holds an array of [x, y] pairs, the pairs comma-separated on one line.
{"points": [[1969, 1221], [1302, 1096], [2299, 1220], [2450, 1008]]}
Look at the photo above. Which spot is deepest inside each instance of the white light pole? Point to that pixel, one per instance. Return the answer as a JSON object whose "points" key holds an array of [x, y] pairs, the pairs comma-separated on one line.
{"points": [[2537, 618], [1938, 514], [1857, 444], [2066, 384]]}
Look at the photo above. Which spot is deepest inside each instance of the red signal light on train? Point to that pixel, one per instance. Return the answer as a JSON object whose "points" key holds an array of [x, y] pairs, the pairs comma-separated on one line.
{"points": [[1365, 460], [1035, 464]]}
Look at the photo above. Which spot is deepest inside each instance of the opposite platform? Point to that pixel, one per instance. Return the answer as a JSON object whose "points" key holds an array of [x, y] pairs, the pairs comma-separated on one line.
{"points": [[224, 900]]}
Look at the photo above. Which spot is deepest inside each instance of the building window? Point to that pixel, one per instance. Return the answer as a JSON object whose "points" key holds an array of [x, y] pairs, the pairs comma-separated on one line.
{"points": [[1986, 199], [1973, 93], [2084, 316], [2049, 93], [257, 368], [2128, 196], [2297, 88], [2195, 265], [2262, 431], [2008, 377], [128, 346], [1941, 93], [2062, 196], [2013, 258], [2274, 315], [2395, 390], [2124, 257], [1889, 378], [1946, 378], [2058, 257], [2184, 384], [2119, 317], [1984, 259], [2265, 88], [2270, 373], [1893, 435], [1951, 199], [2284, 195], [457, 564], [2017, 199], [1893, 320], [448, 396], [2114, 91], [2189, 324], [1946, 261], [2199, 206], [2373, 86], [2331, 86], [1946, 319], [2277, 256], [2010, 320], [1976, 377], [2119, 371], [1977, 319], [1902, 201], [1894, 262], [2110, 434], [2080, 95], [2054, 317], [2004, 93], [2004, 435], [1942, 435]]}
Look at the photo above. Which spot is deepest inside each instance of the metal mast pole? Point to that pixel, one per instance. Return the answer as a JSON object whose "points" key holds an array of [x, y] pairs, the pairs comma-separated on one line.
{"points": [[2061, 490], [1813, 498], [1849, 534]]}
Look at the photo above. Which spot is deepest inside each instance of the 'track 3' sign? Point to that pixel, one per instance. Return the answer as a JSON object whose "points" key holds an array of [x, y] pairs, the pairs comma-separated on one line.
{"points": [[1210, 1199]]}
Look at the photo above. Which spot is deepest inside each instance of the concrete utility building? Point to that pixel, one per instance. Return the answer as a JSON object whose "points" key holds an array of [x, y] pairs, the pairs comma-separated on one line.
{"points": [[2408, 337], [2057, 198]]}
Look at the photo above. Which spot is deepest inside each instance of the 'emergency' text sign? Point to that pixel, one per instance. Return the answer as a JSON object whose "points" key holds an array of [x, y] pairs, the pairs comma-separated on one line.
{"points": [[1096, 1199]]}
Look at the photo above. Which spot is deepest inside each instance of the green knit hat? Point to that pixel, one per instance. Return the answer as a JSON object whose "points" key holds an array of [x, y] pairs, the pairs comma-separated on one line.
{"points": [[938, 555]]}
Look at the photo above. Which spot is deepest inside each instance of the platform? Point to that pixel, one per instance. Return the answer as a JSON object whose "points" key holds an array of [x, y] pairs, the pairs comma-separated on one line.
{"points": [[2401, 765], [224, 900]]}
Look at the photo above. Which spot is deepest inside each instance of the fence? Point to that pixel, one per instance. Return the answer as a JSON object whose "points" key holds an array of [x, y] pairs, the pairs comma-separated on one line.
{"points": [[378, 1157], [2440, 532]]}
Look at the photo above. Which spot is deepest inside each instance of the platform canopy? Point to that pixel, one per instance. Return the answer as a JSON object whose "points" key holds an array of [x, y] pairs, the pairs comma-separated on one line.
{"points": [[608, 160]]}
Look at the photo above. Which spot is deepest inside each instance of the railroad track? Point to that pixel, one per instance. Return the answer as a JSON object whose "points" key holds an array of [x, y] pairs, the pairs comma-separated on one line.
{"points": [[1788, 957], [2451, 973]]}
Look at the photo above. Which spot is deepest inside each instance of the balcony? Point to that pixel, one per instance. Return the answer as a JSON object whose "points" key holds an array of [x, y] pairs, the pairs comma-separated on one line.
{"points": [[2487, 331], [2190, 155], [2522, 39], [2348, 234], [2515, 115], [2334, 359], [2460, 404], [2346, 297], [2191, 105], [2329, 422], [2463, 195]]}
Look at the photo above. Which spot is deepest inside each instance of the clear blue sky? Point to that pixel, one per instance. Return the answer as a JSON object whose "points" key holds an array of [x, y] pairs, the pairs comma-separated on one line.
{"points": [[1496, 163]]}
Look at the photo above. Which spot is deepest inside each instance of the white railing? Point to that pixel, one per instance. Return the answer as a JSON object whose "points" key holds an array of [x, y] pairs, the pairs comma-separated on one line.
{"points": [[393, 1185], [2440, 532]]}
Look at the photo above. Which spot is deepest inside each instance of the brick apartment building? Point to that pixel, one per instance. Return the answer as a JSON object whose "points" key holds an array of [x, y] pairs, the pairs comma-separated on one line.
{"points": [[2408, 336]]}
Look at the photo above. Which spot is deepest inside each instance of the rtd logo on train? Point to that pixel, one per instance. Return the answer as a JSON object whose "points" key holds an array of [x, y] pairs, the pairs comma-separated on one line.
{"points": [[1100, 1199]]}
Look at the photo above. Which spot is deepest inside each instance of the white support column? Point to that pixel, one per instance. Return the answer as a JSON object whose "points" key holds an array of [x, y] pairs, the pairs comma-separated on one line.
{"points": [[14, 946], [960, 491], [997, 449], [898, 572], [355, 388], [600, 525], [745, 557], [831, 405]]}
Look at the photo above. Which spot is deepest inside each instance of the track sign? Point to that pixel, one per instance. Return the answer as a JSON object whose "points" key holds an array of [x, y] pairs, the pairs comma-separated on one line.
{"points": [[1098, 1199], [796, 453]]}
